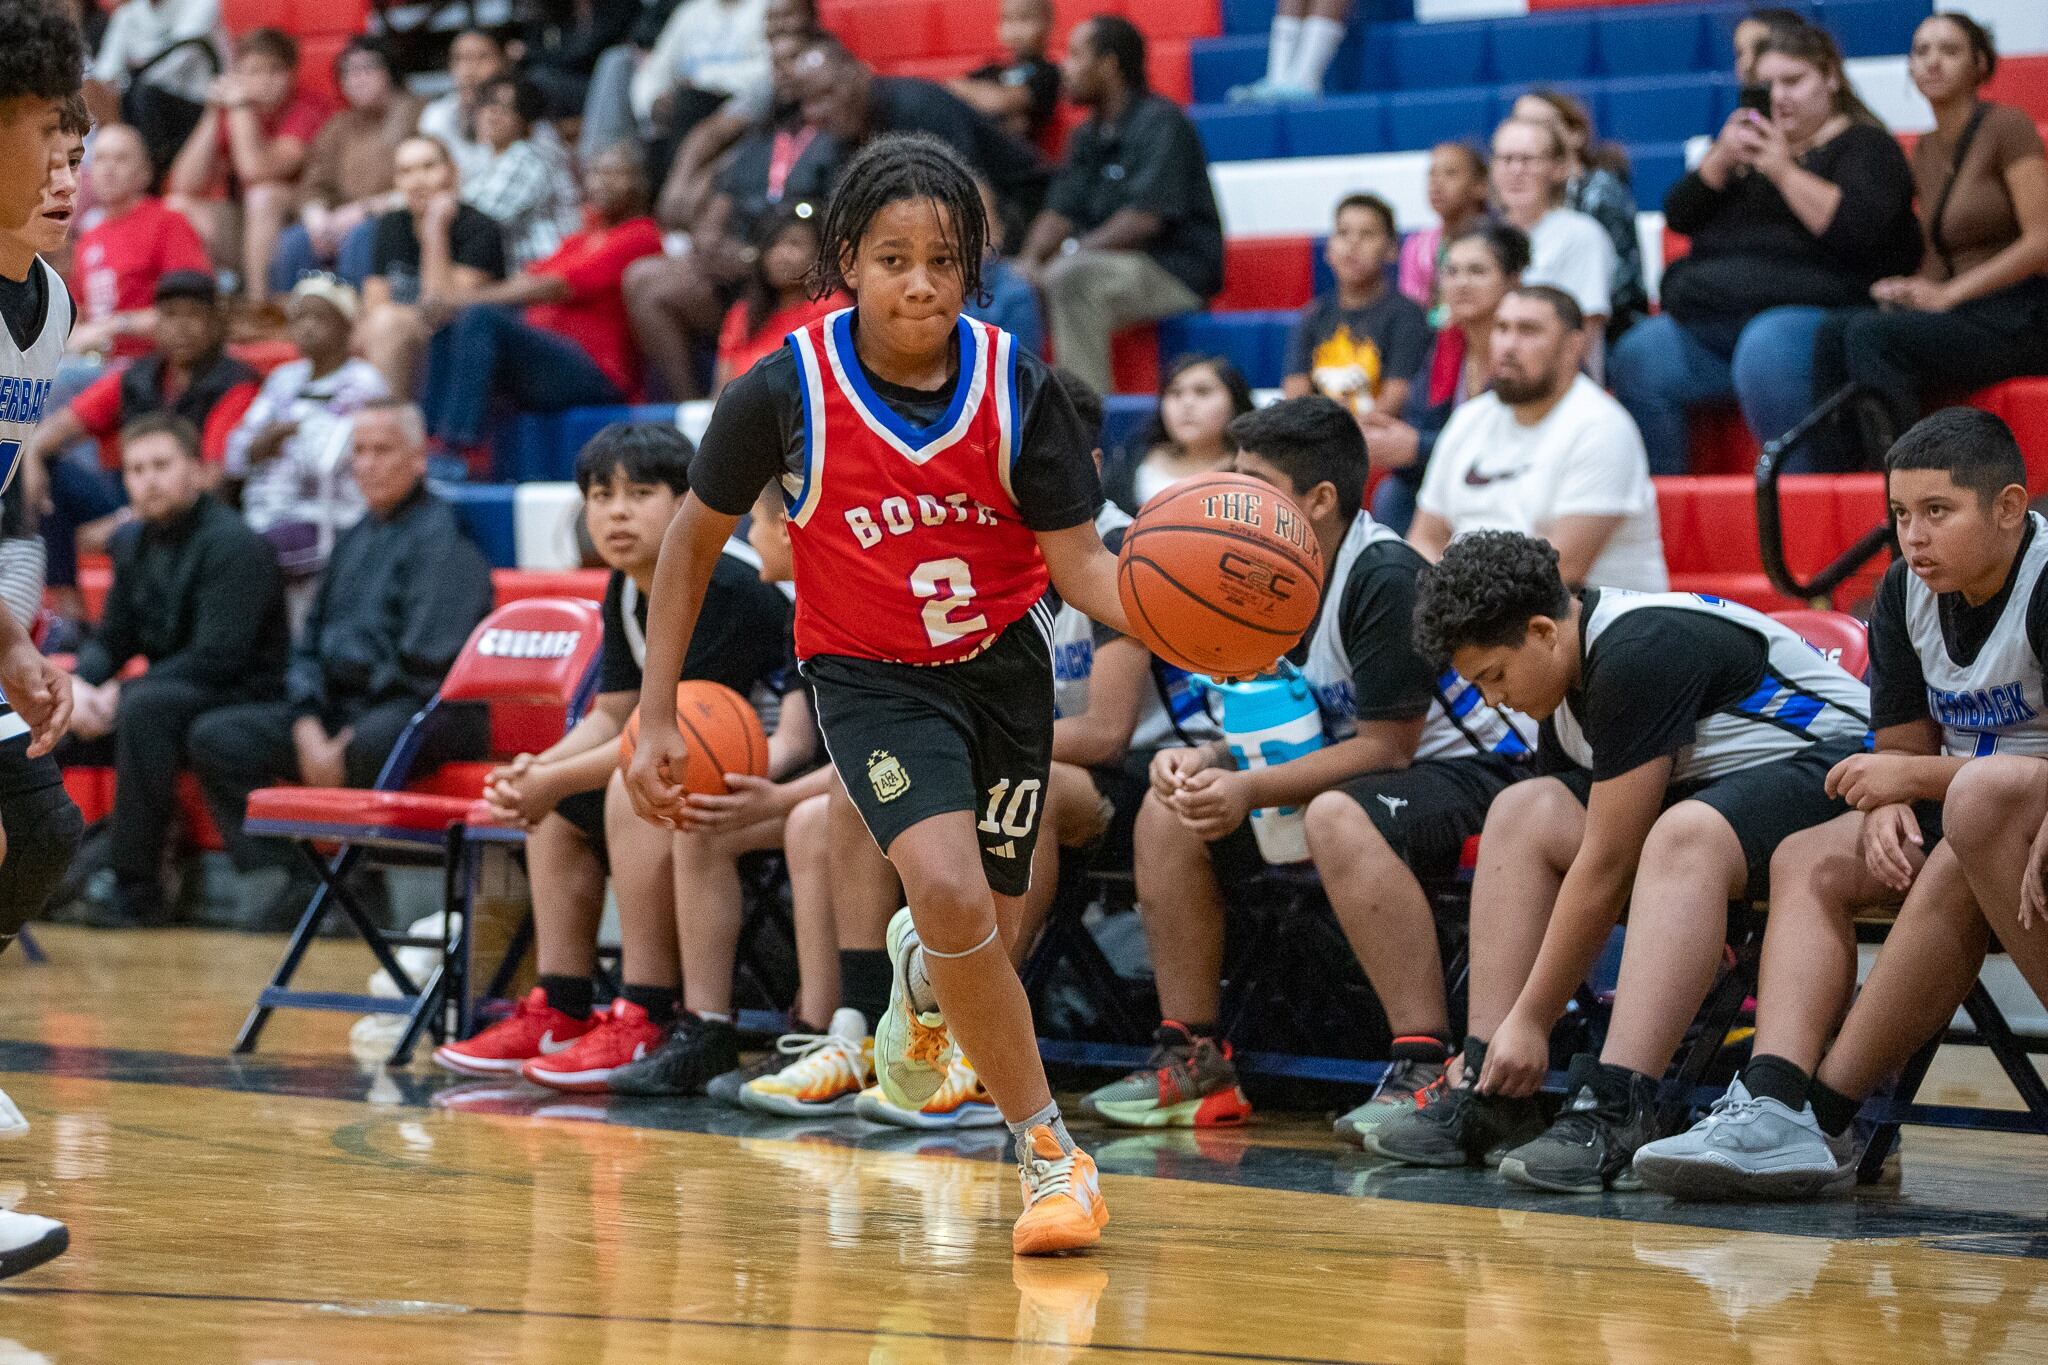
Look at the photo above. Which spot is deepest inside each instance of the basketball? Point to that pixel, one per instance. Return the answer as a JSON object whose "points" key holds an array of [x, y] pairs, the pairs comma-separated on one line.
{"points": [[722, 731], [1220, 575]]}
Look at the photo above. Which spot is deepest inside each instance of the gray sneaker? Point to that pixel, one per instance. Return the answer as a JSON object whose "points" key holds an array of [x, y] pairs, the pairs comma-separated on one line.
{"points": [[1405, 1088], [1749, 1147]]}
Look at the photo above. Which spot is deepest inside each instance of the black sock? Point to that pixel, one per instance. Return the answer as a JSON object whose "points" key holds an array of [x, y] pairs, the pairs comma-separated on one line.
{"points": [[1774, 1078], [864, 978], [1421, 1047], [569, 994], [658, 1001], [1835, 1110], [1475, 1060]]}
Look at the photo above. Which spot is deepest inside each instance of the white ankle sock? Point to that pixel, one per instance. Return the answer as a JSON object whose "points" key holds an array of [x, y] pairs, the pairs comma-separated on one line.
{"points": [[923, 998], [1281, 47], [1319, 41]]}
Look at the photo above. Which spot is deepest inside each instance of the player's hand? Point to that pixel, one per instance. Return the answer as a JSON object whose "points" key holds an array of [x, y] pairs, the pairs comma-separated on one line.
{"points": [[39, 692], [1891, 846], [1171, 768], [2033, 891], [526, 797], [1213, 802], [749, 800], [1867, 781], [1517, 1058], [651, 779]]}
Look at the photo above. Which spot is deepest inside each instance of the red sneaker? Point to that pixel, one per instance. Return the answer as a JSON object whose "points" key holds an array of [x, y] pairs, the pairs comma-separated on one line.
{"points": [[622, 1034], [536, 1029]]}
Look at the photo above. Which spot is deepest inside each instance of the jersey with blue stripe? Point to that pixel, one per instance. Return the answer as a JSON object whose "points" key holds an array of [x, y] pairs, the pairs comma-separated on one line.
{"points": [[1459, 724], [1994, 703], [1801, 700], [26, 375]]}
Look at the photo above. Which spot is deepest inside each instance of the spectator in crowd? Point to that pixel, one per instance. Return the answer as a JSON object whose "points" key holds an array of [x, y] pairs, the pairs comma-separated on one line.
{"points": [[1305, 37], [1789, 215], [473, 58], [560, 41], [679, 302], [572, 345], [347, 182], [189, 374], [197, 595], [1481, 264], [1977, 310], [777, 300], [1546, 453], [529, 193], [402, 593], [1012, 302], [1597, 185], [1458, 195], [1361, 344], [1130, 231], [1198, 399], [234, 178], [1566, 248], [1754, 29], [291, 448], [155, 65], [661, 83], [844, 97], [432, 246], [135, 241], [789, 26], [1021, 89]]}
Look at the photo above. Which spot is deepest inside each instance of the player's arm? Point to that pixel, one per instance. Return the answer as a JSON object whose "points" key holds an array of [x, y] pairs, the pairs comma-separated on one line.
{"points": [[1116, 694], [1619, 814], [689, 552], [1084, 572]]}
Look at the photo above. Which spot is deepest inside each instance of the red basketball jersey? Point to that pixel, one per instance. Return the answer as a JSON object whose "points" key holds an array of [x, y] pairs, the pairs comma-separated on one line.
{"points": [[907, 542]]}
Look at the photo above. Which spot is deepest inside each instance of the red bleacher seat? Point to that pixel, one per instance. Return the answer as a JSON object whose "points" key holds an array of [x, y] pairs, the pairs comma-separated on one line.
{"points": [[1265, 272], [1134, 360], [884, 31], [2023, 405], [967, 28], [1840, 636], [1710, 533], [1161, 19]]}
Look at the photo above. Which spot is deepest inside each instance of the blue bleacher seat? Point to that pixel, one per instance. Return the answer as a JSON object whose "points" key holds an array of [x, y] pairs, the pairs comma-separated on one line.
{"points": [[1255, 342], [1655, 167], [1342, 125], [485, 511], [1420, 119], [1124, 418], [1659, 108], [1241, 132], [1504, 97], [1547, 48], [1656, 40], [1242, 18], [1433, 56], [1219, 63], [1874, 28]]}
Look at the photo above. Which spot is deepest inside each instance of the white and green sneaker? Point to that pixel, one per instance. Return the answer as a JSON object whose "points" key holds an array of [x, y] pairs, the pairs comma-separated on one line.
{"points": [[911, 1048], [1406, 1087]]}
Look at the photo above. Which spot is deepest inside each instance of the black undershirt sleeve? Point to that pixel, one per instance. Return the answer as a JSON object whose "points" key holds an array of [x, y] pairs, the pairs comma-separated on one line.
{"points": [[1653, 675], [743, 447], [1391, 679], [1898, 689], [1054, 476]]}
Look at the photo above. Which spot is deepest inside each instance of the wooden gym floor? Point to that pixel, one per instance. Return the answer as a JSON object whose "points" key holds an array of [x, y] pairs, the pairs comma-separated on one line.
{"points": [[298, 1206]]}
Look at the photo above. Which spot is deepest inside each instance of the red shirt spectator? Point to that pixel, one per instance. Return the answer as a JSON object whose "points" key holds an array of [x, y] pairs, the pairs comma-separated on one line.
{"points": [[119, 259], [300, 118], [739, 345], [593, 264]]}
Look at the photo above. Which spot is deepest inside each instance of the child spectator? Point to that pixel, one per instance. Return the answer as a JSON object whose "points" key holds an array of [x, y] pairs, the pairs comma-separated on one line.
{"points": [[1596, 184], [529, 192], [1566, 248], [1458, 191], [778, 298], [1361, 345], [1305, 37], [1022, 91], [1189, 434], [234, 178]]}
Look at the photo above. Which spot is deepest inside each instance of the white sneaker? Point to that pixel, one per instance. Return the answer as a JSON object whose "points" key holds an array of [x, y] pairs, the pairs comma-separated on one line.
{"points": [[910, 1047], [824, 1074], [12, 1124], [1749, 1147], [959, 1103], [26, 1241]]}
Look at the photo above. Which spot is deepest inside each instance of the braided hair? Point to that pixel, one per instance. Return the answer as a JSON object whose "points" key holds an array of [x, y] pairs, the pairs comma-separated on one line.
{"points": [[889, 170]]}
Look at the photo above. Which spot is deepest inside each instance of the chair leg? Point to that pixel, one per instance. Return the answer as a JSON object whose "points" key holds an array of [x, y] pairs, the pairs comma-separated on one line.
{"points": [[301, 941], [1885, 1135], [31, 951], [2012, 1057]]}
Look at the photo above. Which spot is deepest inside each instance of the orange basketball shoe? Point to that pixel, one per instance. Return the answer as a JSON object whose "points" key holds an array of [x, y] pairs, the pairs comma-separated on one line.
{"points": [[1063, 1208], [535, 1029]]}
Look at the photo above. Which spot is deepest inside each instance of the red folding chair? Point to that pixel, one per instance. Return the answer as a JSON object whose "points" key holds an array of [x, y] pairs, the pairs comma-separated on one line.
{"points": [[1839, 637], [538, 651]]}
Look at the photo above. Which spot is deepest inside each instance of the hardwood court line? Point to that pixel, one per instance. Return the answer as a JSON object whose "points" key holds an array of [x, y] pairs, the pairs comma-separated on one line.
{"points": [[655, 1320]]}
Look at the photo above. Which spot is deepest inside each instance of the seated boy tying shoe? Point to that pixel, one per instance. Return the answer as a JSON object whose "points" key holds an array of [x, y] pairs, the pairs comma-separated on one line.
{"points": [[1691, 737], [569, 799], [1957, 646], [1412, 762]]}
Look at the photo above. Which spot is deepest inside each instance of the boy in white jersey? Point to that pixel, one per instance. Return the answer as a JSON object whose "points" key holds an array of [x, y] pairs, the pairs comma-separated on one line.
{"points": [[1956, 649], [1413, 759], [1689, 737]]}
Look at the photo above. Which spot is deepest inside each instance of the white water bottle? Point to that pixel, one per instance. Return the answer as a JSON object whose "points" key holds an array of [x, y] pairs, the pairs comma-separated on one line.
{"points": [[1268, 721]]}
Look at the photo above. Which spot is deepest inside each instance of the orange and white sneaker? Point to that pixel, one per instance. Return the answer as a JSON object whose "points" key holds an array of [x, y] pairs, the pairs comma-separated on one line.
{"points": [[620, 1035], [825, 1072], [535, 1029], [961, 1102], [1063, 1208]]}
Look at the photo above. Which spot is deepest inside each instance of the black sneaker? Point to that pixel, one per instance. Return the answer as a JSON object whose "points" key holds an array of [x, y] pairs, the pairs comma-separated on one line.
{"points": [[726, 1086], [1592, 1145], [1456, 1125], [699, 1050]]}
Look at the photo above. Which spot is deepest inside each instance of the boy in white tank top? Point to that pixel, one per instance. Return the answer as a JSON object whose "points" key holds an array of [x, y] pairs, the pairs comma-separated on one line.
{"points": [[1958, 639]]}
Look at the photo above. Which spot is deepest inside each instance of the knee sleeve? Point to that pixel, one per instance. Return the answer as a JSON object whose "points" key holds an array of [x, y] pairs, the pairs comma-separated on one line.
{"points": [[44, 829]]}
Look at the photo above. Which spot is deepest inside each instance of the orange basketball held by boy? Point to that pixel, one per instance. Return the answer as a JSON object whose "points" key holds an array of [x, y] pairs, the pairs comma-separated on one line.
{"points": [[722, 732], [1220, 575]]}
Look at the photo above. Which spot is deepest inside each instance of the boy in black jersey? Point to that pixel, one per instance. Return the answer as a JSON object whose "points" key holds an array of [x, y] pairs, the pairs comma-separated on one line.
{"points": [[1957, 649], [1690, 737]]}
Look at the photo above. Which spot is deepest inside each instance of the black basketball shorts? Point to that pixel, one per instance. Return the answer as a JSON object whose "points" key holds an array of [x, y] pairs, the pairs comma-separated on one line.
{"points": [[913, 742], [43, 833]]}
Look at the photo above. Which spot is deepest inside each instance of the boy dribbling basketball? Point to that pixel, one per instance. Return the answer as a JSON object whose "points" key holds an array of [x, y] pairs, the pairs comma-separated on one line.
{"points": [[937, 479]]}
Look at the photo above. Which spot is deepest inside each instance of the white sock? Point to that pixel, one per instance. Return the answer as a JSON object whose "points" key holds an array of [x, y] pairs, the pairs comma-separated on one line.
{"points": [[923, 998], [1320, 39], [1050, 1117], [1281, 47]]}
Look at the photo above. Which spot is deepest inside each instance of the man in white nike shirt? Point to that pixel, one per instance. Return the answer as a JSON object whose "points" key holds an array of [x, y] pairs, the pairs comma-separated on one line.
{"points": [[1546, 452]]}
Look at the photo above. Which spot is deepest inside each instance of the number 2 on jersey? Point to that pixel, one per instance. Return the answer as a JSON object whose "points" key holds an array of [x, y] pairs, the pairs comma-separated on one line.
{"points": [[946, 586]]}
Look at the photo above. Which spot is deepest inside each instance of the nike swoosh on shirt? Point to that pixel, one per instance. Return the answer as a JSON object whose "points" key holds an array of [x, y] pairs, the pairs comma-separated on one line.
{"points": [[1475, 479]]}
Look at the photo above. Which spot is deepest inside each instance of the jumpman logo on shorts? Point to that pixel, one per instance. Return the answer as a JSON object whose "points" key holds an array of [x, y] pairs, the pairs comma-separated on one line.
{"points": [[1393, 804]]}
